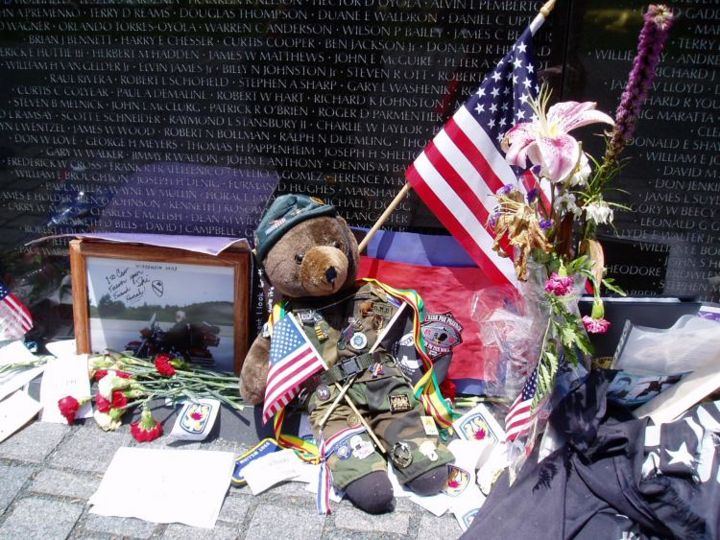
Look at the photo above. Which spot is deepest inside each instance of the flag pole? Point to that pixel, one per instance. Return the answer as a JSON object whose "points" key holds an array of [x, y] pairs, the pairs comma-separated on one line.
{"points": [[386, 214], [534, 26]]}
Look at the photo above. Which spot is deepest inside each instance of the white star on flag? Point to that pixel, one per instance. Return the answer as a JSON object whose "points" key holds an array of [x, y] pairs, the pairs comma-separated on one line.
{"points": [[681, 455]]}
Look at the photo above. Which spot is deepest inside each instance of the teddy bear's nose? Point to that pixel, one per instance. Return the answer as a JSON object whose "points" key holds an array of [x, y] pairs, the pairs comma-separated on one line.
{"points": [[331, 274]]}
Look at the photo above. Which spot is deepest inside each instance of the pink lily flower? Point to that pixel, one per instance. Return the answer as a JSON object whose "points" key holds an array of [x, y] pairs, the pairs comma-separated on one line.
{"points": [[545, 140]]}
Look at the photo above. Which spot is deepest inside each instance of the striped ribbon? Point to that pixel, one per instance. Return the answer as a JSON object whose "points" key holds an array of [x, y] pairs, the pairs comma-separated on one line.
{"points": [[427, 389], [327, 446]]}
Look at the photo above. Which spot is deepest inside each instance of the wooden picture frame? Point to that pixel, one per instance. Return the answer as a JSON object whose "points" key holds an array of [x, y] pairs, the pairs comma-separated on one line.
{"points": [[133, 283]]}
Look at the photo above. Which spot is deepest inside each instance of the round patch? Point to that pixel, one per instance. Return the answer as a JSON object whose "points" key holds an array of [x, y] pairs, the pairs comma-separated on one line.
{"points": [[343, 452], [358, 341], [401, 455], [323, 392], [353, 421]]}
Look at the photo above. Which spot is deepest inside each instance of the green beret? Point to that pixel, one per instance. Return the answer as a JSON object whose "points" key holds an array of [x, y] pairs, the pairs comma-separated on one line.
{"points": [[284, 213]]}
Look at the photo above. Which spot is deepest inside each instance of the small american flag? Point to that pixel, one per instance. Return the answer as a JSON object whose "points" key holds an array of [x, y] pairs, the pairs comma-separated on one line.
{"points": [[461, 169], [521, 415], [292, 360], [15, 318]]}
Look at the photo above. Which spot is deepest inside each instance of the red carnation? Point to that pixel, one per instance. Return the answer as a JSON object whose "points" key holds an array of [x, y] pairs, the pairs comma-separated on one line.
{"points": [[163, 365], [147, 428], [100, 373], [102, 404], [119, 400], [69, 407]]}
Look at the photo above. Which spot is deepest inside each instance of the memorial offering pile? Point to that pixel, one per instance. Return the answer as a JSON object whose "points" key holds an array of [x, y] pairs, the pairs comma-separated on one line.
{"points": [[550, 231], [125, 382]]}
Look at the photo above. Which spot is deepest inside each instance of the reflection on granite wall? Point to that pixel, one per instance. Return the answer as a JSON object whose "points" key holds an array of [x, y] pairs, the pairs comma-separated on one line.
{"points": [[670, 242], [178, 118]]}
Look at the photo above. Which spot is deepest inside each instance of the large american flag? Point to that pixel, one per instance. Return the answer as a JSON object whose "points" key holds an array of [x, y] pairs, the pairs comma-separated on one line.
{"points": [[462, 168], [521, 415], [15, 318], [292, 360]]}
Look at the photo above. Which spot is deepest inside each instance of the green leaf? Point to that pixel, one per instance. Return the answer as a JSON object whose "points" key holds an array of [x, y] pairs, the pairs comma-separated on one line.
{"points": [[609, 284]]}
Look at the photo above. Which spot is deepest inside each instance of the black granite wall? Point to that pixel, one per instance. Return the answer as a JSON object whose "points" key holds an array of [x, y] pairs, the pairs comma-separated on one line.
{"points": [[176, 117]]}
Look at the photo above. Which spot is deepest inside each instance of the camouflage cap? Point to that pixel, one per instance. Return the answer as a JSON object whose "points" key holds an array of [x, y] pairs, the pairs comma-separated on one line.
{"points": [[284, 213]]}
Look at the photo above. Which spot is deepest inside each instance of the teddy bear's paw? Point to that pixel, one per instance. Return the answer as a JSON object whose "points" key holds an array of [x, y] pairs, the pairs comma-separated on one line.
{"points": [[373, 493], [430, 482]]}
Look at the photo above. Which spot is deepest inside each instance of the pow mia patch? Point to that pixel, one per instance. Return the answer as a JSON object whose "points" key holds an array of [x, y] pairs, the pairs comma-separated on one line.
{"points": [[441, 332], [399, 403]]}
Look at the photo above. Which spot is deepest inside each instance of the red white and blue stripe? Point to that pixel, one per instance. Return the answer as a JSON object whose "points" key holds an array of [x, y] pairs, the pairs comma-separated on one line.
{"points": [[15, 318], [327, 447], [521, 416], [293, 359], [461, 169]]}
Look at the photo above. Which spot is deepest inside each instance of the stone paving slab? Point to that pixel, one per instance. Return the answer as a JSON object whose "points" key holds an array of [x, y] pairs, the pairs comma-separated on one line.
{"points": [[65, 484], [286, 522], [117, 526], [34, 443], [349, 517], [90, 449], [176, 531], [36, 517], [12, 479]]}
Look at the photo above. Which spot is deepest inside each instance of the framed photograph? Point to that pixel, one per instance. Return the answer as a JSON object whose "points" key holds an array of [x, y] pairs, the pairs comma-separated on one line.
{"points": [[147, 300]]}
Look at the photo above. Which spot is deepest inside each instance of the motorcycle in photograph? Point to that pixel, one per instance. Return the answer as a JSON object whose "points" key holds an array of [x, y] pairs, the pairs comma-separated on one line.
{"points": [[188, 340]]}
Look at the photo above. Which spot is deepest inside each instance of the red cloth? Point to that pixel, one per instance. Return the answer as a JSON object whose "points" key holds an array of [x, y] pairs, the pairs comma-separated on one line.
{"points": [[443, 288]]}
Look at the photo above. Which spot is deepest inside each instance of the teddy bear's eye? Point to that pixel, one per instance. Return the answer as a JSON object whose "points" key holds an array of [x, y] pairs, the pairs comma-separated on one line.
{"points": [[298, 258], [337, 244]]}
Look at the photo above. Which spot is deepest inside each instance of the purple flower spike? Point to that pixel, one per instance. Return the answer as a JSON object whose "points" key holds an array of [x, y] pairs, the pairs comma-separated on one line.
{"points": [[507, 188], [532, 195], [653, 36], [545, 224]]}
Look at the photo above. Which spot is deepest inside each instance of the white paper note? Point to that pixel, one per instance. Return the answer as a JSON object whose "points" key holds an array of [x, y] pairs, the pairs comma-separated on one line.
{"points": [[263, 473], [15, 412], [66, 376], [14, 353], [62, 348], [165, 486]]}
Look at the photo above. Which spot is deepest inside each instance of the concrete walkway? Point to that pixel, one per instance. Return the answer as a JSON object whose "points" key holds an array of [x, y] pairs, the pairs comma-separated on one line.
{"points": [[48, 472]]}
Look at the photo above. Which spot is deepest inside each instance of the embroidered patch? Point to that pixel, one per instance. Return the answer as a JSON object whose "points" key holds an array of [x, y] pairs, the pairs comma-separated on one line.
{"points": [[429, 425], [441, 332], [343, 452], [458, 480], [429, 450], [384, 310], [399, 403], [360, 447]]}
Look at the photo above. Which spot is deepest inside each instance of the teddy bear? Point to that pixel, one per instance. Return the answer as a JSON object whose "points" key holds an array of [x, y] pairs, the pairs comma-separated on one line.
{"points": [[309, 255]]}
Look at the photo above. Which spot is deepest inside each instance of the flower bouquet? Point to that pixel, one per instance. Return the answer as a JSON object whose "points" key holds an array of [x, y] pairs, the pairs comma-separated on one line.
{"points": [[551, 231], [125, 382]]}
